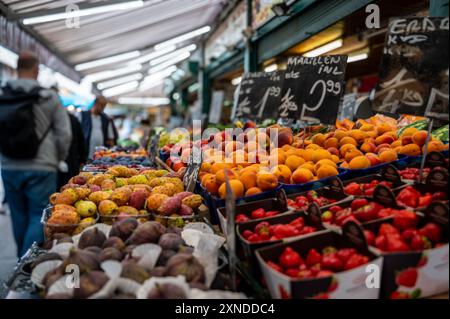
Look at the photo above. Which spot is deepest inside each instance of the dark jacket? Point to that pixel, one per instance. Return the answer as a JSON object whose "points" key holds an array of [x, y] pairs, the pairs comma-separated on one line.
{"points": [[86, 125], [77, 152]]}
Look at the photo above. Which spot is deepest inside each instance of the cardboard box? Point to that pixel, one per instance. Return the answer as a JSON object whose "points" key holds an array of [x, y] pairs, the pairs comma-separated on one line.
{"points": [[352, 284]]}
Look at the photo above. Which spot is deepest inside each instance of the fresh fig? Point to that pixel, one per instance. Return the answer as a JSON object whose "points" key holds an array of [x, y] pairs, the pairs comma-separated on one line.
{"points": [[115, 242], [165, 256], [171, 241], [129, 249], [148, 232], [158, 271], [174, 230], [85, 260], [111, 253], [166, 291], [94, 250], [124, 228], [133, 271], [186, 265], [186, 250], [90, 283], [52, 276], [62, 238], [91, 237]]}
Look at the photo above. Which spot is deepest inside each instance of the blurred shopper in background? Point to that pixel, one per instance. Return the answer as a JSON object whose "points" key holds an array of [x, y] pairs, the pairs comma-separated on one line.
{"points": [[98, 128], [35, 137], [77, 152]]}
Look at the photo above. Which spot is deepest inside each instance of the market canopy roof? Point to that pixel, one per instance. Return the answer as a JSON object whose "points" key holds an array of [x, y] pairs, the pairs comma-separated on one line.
{"points": [[111, 33]]}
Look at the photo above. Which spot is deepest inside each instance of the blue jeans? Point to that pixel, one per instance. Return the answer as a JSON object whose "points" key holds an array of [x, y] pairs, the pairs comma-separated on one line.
{"points": [[27, 194]]}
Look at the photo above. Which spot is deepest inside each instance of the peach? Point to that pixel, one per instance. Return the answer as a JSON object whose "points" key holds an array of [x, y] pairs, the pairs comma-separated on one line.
{"points": [[383, 128], [333, 151], [340, 134], [392, 134], [302, 175], [266, 181], [287, 148], [409, 131], [335, 158], [220, 175], [434, 146], [406, 140], [313, 147], [285, 136], [345, 165], [347, 148], [320, 155], [384, 139], [420, 138], [367, 147], [219, 166], [372, 134], [382, 146], [331, 142], [324, 162], [253, 191], [277, 158], [359, 162], [319, 139], [282, 172], [373, 158], [308, 154], [388, 156], [236, 187], [294, 162], [358, 135], [397, 143], [326, 171], [352, 154], [309, 166], [209, 182], [248, 179], [347, 140], [410, 150], [206, 167], [367, 127]]}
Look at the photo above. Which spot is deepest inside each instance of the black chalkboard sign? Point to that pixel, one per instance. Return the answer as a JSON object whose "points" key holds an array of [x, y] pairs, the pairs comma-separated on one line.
{"points": [[313, 88], [259, 95], [414, 69]]}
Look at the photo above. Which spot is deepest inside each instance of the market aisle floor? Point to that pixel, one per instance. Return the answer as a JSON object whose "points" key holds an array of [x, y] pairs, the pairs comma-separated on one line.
{"points": [[7, 251]]}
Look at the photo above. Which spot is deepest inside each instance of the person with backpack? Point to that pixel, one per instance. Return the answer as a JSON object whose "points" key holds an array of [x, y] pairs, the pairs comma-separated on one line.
{"points": [[35, 137], [98, 128]]}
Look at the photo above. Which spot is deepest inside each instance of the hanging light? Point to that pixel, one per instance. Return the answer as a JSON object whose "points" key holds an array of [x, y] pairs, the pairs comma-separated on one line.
{"points": [[183, 37], [324, 49]]}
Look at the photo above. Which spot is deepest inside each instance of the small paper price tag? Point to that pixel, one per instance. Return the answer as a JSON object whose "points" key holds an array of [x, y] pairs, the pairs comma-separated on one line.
{"points": [[390, 173], [315, 214], [438, 177], [354, 233], [336, 185], [438, 212], [435, 159]]}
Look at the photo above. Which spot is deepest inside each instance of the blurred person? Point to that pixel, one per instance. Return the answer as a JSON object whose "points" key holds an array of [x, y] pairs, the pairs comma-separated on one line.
{"points": [[77, 156], [34, 138], [98, 128]]}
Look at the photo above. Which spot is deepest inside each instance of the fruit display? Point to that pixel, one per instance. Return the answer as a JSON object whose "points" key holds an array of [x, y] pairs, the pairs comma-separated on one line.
{"points": [[116, 152], [365, 189], [302, 202], [119, 261], [413, 173], [104, 158], [317, 264], [119, 193], [361, 210], [259, 213], [264, 231], [411, 197]]}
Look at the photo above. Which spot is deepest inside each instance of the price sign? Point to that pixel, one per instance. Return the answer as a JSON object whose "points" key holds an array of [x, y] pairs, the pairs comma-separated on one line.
{"points": [[259, 95], [313, 88], [414, 70], [348, 107]]}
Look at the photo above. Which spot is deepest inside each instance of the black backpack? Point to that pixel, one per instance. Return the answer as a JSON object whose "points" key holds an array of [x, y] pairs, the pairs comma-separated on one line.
{"points": [[18, 137]]}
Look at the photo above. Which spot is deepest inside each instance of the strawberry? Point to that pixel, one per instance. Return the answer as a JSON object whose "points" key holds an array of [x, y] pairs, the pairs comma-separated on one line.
{"points": [[302, 201], [358, 203], [400, 295], [353, 189], [385, 212], [262, 229], [247, 233], [327, 217], [432, 231], [368, 212], [334, 209], [386, 228], [298, 223], [305, 274], [292, 272], [324, 273], [241, 218], [419, 242], [409, 197], [440, 196], [380, 242], [394, 243], [329, 250], [369, 192], [331, 262], [258, 213], [290, 258], [407, 277], [344, 254], [425, 201], [333, 286], [370, 237], [422, 262], [386, 184], [274, 266], [405, 219], [313, 257], [283, 293], [342, 215], [408, 234], [315, 269], [254, 238], [356, 260], [285, 231], [271, 213], [308, 230]]}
